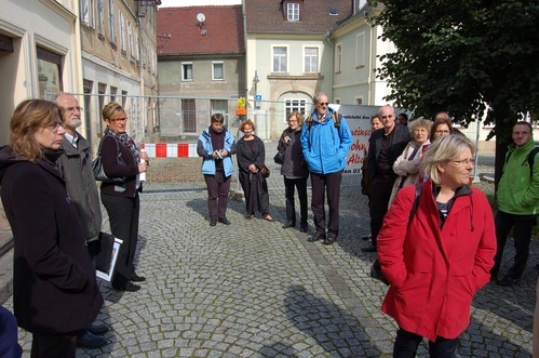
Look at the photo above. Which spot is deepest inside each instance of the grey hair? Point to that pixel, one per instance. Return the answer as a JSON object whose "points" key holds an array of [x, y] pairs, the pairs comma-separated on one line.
{"points": [[443, 150], [317, 96], [386, 106], [421, 122]]}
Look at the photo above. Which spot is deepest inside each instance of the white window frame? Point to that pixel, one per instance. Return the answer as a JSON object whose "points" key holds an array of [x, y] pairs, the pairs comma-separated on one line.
{"points": [[360, 50], [87, 12], [292, 11], [358, 100], [100, 19], [338, 58], [213, 64], [112, 23], [123, 33], [282, 64], [294, 104], [313, 65], [185, 73]]}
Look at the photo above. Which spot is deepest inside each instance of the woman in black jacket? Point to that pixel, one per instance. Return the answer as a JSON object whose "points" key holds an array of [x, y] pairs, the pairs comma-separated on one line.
{"points": [[251, 155], [122, 158], [55, 293], [294, 171]]}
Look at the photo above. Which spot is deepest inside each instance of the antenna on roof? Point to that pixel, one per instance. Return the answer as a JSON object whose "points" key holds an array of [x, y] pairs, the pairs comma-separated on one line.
{"points": [[201, 18]]}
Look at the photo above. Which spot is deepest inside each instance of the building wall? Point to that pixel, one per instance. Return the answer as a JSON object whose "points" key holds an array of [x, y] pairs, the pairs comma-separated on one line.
{"points": [[51, 26]]}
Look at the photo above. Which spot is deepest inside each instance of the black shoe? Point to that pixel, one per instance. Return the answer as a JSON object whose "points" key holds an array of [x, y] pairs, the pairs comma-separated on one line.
{"points": [[304, 227], [213, 222], [89, 340], [137, 278], [129, 287], [369, 249], [366, 237], [250, 216], [98, 329], [508, 281], [289, 224], [224, 221], [316, 238], [329, 240]]}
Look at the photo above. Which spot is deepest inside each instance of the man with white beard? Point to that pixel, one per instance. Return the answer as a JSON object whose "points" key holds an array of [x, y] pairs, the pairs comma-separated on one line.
{"points": [[75, 165]]}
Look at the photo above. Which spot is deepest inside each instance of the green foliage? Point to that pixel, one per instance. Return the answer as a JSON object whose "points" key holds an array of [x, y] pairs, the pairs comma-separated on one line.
{"points": [[457, 55]]}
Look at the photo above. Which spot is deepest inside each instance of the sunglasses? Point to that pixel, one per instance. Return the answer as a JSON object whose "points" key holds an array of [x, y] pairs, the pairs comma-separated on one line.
{"points": [[323, 104]]}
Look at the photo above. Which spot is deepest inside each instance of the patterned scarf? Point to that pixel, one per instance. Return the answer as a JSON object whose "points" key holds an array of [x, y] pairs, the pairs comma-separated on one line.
{"points": [[126, 140]]}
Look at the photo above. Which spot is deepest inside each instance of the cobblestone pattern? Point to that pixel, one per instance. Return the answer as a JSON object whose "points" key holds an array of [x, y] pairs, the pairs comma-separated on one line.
{"points": [[253, 289]]}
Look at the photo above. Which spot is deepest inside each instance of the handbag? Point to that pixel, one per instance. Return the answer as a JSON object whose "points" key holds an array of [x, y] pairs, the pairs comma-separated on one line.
{"points": [[279, 157], [265, 171], [99, 171]]}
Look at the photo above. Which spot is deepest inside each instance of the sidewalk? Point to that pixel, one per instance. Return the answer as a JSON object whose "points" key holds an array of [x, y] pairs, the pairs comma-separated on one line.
{"points": [[253, 289]]}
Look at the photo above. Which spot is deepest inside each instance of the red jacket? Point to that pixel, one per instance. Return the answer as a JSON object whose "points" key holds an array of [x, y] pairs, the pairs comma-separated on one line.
{"points": [[434, 272]]}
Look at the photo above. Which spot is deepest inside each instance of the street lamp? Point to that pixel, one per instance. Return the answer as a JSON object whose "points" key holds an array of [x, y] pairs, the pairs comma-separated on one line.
{"points": [[256, 80]]}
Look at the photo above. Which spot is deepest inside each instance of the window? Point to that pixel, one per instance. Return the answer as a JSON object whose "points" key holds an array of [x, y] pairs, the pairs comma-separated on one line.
{"points": [[311, 59], [338, 58], [112, 27], [219, 106], [189, 115], [49, 66], [292, 10], [187, 71], [359, 100], [100, 19], [279, 59], [87, 12], [123, 33], [292, 105], [217, 71], [360, 50], [113, 93]]}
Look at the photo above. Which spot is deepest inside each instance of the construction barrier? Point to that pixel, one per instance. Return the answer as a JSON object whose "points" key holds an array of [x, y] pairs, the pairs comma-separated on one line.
{"points": [[171, 150]]}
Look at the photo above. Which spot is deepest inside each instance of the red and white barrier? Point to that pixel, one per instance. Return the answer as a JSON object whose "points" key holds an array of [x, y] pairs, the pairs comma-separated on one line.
{"points": [[171, 150]]}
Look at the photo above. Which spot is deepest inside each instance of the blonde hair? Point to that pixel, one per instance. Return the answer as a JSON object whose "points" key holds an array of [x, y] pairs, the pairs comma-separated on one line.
{"points": [[443, 150], [298, 115], [30, 116], [112, 109]]}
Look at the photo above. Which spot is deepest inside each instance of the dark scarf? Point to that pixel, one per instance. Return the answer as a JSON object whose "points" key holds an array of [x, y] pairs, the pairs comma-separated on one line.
{"points": [[125, 140]]}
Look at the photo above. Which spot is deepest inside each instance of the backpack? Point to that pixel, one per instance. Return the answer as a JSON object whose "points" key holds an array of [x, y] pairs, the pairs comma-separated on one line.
{"points": [[336, 120], [530, 158], [376, 269]]}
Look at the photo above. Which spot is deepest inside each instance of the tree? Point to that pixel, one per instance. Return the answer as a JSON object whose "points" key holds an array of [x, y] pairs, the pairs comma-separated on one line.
{"points": [[460, 55]]}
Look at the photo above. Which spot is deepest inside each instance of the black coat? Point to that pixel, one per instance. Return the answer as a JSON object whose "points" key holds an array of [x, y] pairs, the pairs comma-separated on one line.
{"points": [[54, 285], [294, 164], [399, 140]]}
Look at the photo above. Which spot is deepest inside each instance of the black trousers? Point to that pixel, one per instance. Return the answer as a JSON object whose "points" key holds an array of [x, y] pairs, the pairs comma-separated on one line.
{"points": [[381, 188], [218, 188], [407, 342], [323, 184], [255, 191], [54, 345], [123, 217], [290, 186], [522, 226]]}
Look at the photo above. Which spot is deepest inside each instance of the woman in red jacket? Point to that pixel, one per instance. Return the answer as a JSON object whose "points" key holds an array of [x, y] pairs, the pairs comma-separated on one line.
{"points": [[437, 262]]}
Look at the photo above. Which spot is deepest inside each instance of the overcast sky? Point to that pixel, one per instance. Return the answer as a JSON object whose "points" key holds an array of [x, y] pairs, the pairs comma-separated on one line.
{"points": [[171, 3]]}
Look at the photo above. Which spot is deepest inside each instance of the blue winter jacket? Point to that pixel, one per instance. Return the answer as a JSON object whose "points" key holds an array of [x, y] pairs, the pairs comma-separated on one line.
{"points": [[324, 146], [205, 150]]}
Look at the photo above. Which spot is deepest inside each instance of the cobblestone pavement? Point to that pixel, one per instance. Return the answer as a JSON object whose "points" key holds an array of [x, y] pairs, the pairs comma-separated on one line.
{"points": [[253, 289]]}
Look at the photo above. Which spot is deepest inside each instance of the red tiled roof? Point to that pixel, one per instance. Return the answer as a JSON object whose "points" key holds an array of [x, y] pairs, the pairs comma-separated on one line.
{"points": [[224, 26], [266, 16]]}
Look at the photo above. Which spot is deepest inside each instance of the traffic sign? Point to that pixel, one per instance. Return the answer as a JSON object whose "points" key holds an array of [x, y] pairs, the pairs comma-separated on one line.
{"points": [[258, 98]]}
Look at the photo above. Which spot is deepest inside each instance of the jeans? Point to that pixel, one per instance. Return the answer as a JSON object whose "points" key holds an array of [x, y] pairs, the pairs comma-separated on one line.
{"points": [[290, 185], [407, 342]]}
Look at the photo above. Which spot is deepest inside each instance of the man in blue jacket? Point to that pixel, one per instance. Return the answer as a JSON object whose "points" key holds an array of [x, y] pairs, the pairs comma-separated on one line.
{"points": [[325, 140]]}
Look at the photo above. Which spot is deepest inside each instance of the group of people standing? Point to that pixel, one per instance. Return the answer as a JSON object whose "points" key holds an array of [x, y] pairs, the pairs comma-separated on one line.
{"points": [[49, 192], [317, 146]]}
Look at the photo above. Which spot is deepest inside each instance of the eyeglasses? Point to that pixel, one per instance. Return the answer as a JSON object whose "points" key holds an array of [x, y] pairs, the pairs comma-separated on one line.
{"points": [[117, 119], [521, 133], [323, 104], [292, 120], [464, 161], [442, 132], [55, 126], [73, 109]]}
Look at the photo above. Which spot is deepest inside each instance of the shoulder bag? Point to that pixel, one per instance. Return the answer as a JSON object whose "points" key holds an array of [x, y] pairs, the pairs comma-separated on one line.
{"points": [[99, 171]]}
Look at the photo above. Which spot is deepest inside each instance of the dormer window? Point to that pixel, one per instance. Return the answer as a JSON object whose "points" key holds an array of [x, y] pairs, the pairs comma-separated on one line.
{"points": [[292, 10]]}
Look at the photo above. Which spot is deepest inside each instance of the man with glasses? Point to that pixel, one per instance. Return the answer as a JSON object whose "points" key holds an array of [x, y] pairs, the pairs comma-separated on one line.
{"points": [[75, 165], [385, 146], [518, 202], [325, 140]]}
